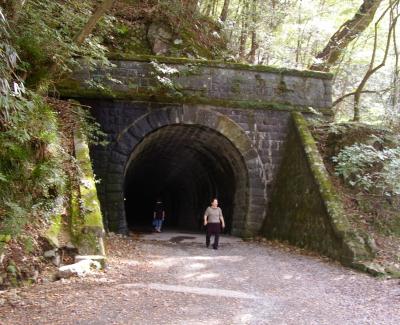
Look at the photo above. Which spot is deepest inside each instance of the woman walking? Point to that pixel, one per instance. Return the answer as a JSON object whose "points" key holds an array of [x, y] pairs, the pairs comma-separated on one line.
{"points": [[213, 220]]}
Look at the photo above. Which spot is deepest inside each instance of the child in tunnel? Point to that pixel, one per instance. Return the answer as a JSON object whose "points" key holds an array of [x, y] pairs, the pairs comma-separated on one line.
{"points": [[158, 215], [213, 220]]}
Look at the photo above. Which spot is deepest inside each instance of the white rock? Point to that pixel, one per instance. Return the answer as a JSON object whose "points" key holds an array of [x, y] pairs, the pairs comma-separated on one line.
{"points": [[80, 269], [56, 260], [51, 253], [70, 245], [97, 258]]}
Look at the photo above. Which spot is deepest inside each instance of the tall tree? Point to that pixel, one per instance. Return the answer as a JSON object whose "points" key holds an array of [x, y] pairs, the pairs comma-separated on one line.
{"points": [[392, 10], [224, 12], [244, 30], [331, 53], [251, 56], [208, 8], [372, 68]]}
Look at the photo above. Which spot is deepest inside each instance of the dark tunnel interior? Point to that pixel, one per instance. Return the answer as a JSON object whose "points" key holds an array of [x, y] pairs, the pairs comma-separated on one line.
{"points": [[185, 166]]}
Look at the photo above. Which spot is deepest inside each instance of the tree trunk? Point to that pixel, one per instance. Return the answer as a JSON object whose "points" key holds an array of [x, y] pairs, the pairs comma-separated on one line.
{"points": [[79, 39], [244, 31], [345, 34], [395, 84], [356, 113], [236, 18], [251, 56], [372, 69], [224, 12], [93, 20], [243, 40], [190, 6], [209, 6], [254, 46]]}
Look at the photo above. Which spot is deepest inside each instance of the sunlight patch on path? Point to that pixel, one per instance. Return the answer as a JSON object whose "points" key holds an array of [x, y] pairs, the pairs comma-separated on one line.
{"points": [[192, 290]]}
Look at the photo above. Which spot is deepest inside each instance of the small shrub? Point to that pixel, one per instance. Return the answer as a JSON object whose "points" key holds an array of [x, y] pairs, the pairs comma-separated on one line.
{"points": [[369, 169]]}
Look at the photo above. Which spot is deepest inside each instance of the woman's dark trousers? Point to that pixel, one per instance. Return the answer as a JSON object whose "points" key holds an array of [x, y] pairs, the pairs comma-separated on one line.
{"points": [[213, 229]]}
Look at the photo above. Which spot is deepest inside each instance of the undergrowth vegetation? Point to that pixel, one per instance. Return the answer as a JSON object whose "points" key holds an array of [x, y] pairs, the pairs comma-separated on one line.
{"points": [[364, 163], [30, 154], [186, 32], [45, 33], [370, 169], [31, 174], [37, 167]]}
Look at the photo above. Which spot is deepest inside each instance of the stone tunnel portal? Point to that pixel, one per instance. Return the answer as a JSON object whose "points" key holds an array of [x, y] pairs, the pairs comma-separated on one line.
{"points": [[186, 166]]}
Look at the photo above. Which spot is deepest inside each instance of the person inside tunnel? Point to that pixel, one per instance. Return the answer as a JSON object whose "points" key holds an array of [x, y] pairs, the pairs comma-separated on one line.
{"points": [[158, 215]]}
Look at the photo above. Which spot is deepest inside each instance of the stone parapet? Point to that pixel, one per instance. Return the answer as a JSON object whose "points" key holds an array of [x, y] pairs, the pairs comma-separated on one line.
{"points": [[204, 82]]}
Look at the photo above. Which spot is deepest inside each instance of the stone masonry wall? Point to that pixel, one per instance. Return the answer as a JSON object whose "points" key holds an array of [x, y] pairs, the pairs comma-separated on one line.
{"points": [[266, 130], [304, 208]]}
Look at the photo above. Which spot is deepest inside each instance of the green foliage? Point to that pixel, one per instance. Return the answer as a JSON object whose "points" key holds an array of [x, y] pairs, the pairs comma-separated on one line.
{"points": [[192, 34], [163, 74], [30, 164], [122, 30], [88, 125], [28, 244], [31, 157], [372, 170], [44, 38]]}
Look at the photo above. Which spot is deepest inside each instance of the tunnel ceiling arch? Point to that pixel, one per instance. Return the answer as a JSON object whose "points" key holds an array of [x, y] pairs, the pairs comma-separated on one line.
{"points": [[186, 166], [223, 163]]}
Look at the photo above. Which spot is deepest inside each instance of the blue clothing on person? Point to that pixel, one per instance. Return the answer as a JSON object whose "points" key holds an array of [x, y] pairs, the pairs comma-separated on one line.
{"points": [[158, 223]]}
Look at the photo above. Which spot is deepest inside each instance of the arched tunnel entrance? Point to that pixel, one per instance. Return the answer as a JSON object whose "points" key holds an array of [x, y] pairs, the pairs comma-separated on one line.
{"points": [[186, 166]]}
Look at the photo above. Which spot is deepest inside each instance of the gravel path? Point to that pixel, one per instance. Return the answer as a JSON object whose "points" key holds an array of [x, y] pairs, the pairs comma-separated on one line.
{"points": [[173, 279]]}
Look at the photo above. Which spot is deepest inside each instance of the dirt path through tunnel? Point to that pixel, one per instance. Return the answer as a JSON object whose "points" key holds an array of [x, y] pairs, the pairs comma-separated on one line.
{"points": [[171, 278]]}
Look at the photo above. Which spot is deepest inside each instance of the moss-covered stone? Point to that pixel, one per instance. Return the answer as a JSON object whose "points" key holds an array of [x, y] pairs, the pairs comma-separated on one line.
{"points": [[192, 83], [75, 220], [304, 208], [54, 230], [71, 89], [86, 217], [221, 64]]}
